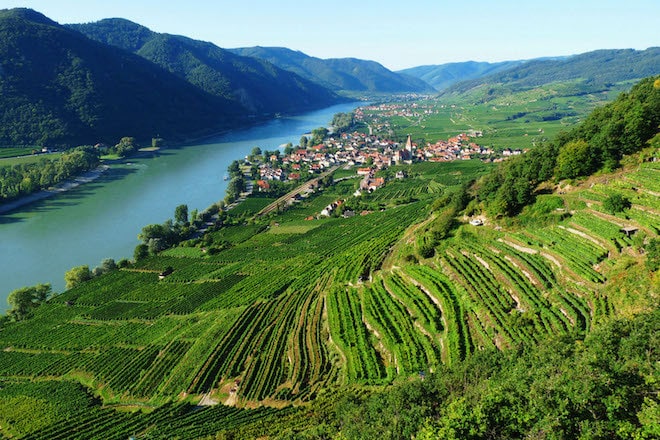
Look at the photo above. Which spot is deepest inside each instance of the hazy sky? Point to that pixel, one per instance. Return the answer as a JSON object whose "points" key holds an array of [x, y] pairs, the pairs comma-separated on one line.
{"points": [[397, 34]]}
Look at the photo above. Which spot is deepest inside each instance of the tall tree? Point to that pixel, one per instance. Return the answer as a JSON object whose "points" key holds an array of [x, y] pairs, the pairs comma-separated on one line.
{"points": [[318, 134], [181, 214], [575, 159]]}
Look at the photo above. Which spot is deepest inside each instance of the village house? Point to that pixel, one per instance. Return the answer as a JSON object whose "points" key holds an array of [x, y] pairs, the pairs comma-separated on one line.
{"points": [[263, 185]]}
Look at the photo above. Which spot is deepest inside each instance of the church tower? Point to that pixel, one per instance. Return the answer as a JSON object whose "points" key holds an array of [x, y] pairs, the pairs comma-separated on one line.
{"points": [[409, 144]]}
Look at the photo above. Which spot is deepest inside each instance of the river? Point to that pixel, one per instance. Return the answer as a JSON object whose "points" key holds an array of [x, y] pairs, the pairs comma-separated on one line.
{"points": [[101, 219]]}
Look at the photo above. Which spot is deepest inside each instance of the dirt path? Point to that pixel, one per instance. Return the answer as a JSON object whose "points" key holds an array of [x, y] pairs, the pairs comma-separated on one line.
{"points": [[207, 401]]}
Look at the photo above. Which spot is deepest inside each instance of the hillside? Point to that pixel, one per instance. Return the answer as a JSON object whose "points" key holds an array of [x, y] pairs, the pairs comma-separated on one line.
{"points": [[595, 70], [441, 76], [543, 322], [281, 313], [255, 84], [61, 88], [339, 74]]}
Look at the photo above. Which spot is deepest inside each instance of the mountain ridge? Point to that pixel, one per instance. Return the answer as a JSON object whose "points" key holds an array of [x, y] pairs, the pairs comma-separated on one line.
{"points": [[444, 75], [61, 88], [339, 74], [599, 67], [257, 85]]}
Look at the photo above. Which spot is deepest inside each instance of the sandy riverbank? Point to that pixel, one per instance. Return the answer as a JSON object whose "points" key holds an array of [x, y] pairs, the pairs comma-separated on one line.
{"points": [[52, 191]]}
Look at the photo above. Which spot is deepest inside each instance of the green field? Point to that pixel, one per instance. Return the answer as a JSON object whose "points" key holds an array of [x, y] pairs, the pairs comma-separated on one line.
{"points": [[517, 120], [23, 160], [287, 310], [16, 151]]}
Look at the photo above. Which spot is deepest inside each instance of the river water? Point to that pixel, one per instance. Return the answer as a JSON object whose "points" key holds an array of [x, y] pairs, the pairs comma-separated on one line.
{"points": [[101, 219]]}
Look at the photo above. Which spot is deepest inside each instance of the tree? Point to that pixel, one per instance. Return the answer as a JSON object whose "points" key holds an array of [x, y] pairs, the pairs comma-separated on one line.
{"points": [[141, 252], [195, 216], [234, 168], [107, 265], [318, 134], [77, 275], [288, 149], [41, 292], [159, 231], [256, 151], [181, 214], [23, 300], [126, 146], [303, 142], [156, 245], [616, 203], [235, 187], [574, 160], [342, 122]]}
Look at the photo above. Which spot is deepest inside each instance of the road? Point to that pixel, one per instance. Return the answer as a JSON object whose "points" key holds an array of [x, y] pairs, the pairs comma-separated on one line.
{"points": [[299, 190]]}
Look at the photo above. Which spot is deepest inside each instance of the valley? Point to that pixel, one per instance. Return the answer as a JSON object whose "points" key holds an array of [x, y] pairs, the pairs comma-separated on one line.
{"points": [[471, 251], [281, 310], [69, 230]]}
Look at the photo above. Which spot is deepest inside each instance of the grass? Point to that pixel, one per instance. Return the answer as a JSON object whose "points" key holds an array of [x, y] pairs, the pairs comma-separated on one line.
{"points": [[11, 161], [113, 156], [16, 151], [294, 228], [252, 205]]}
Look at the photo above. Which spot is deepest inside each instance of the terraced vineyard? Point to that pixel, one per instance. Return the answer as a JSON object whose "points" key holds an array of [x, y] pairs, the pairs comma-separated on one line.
{"points": [[276, 317]]}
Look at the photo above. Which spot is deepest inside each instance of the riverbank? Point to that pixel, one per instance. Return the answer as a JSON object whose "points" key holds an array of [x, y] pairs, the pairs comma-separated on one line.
{"points": [[52, 191], [104, 220]]}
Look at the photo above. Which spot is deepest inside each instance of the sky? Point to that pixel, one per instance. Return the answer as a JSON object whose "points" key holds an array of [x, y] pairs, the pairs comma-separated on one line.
{"points": [[398, 34]]}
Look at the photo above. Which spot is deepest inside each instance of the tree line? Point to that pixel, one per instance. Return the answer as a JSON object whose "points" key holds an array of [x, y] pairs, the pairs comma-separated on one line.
{"points": [[22, 179]]}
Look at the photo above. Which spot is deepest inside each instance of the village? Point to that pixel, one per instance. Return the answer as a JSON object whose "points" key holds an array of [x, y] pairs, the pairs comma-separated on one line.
{"points": [[365, 153], [370, 154]]}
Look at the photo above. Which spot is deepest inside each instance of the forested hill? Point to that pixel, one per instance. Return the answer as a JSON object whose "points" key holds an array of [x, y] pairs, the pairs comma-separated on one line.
{"points": [[442, 76], [339, 74], [594, 69], [255, 84], [59, 87], [598, 144]]}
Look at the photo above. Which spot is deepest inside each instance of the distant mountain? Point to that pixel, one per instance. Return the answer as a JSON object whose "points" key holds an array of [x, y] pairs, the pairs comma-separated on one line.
{"points": [[256, 84], [442, 76], [58, 87], [338, 74], [595, 69]]}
